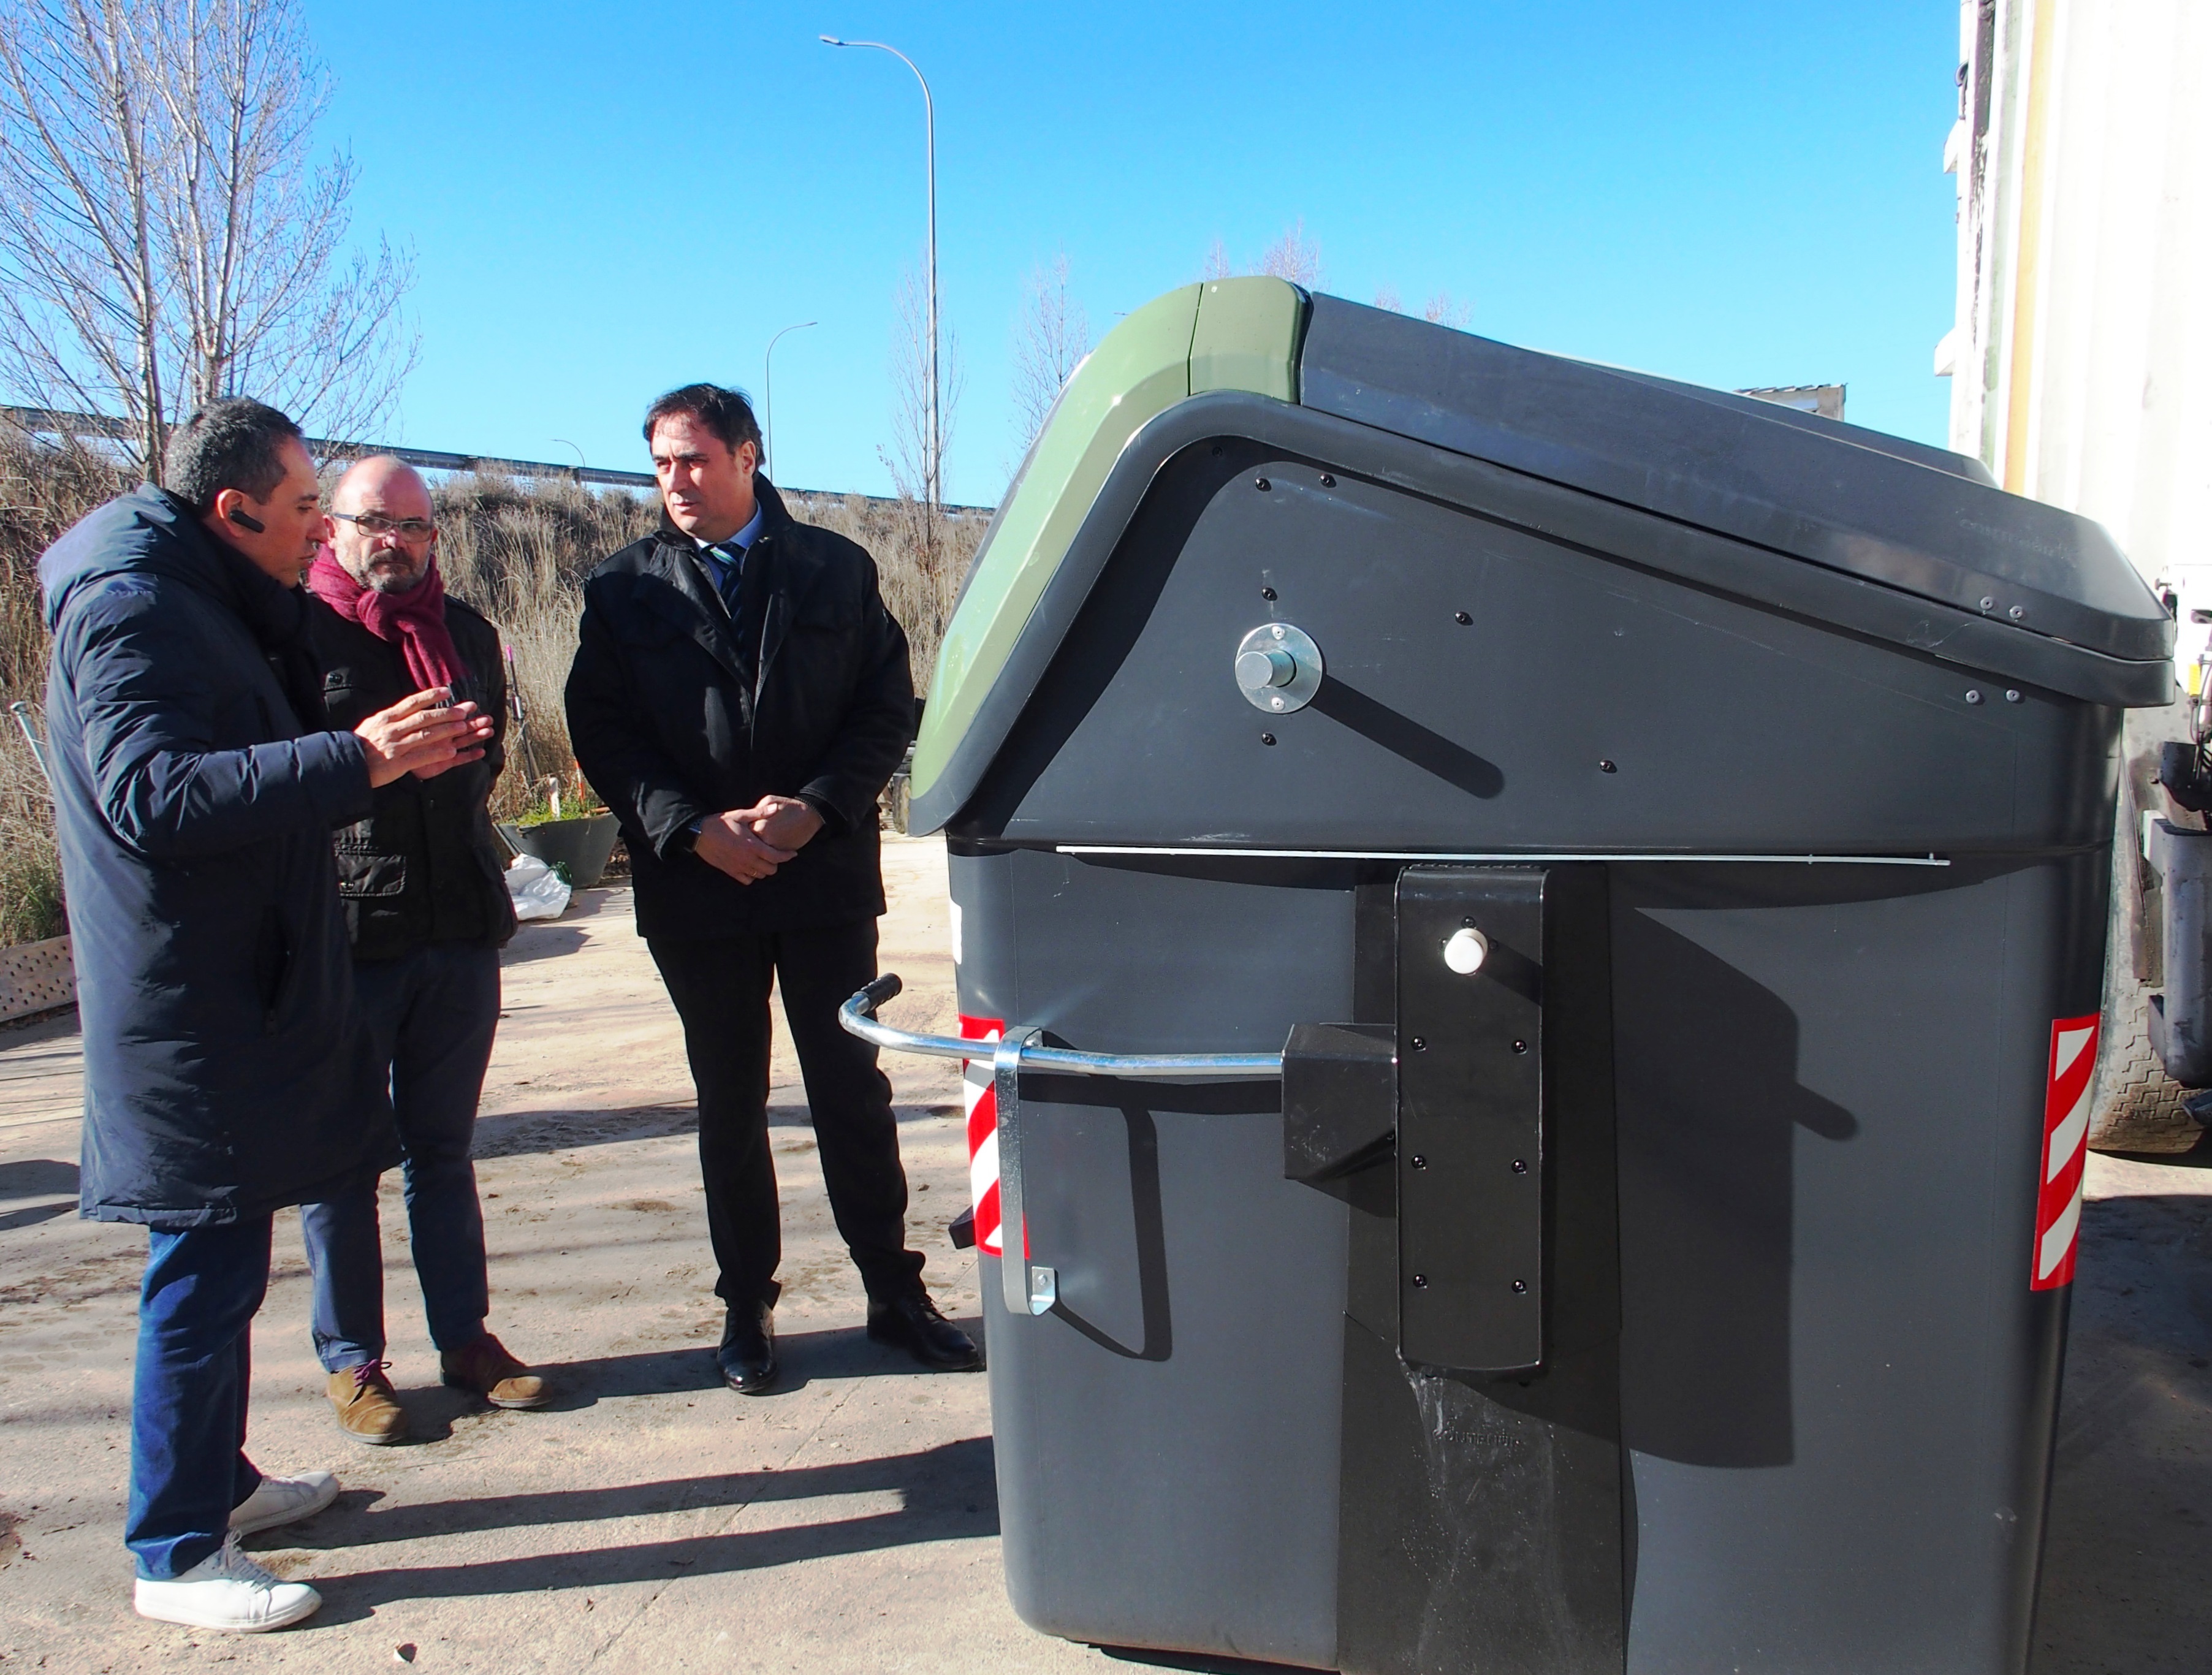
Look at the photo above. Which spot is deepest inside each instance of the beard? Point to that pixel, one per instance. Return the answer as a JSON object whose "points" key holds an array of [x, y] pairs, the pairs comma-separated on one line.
{"points": [[387, 578], [394, 582]]}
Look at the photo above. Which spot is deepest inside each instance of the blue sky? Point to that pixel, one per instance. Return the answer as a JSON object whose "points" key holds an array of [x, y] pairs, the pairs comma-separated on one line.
{"points": [[606, 200]]}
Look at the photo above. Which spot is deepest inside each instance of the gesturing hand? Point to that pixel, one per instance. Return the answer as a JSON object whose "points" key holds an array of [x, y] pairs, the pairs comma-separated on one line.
{"points": [[729, 843], [423, 734]]}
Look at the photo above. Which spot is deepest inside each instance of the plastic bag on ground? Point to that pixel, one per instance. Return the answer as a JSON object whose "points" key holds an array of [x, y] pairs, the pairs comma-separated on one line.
{"points": [[539, 892]]}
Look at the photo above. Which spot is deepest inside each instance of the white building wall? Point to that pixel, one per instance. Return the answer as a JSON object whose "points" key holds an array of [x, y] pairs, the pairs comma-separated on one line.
{"points": [[2082, 355]]}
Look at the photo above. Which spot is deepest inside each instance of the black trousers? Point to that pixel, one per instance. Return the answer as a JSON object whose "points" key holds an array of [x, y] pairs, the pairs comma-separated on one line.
{"points": [[721, 988]]}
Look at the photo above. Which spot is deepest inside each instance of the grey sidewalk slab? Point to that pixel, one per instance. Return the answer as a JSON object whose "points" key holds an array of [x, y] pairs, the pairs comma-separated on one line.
{"points": [[652, 1520]]}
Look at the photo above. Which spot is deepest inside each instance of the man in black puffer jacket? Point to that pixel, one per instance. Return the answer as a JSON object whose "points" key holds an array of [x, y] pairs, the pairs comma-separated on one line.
{"points": [[225, 1073], [427, 906], [739, 697]]}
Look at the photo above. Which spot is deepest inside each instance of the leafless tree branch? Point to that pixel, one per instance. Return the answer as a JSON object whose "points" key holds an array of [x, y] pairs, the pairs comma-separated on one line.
{"points": [[1052, 334], [166, 237]]}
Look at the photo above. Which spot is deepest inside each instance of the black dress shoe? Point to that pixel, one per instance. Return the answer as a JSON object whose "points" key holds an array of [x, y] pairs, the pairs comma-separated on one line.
{"points": [[913, 1323], [747, 1357]]}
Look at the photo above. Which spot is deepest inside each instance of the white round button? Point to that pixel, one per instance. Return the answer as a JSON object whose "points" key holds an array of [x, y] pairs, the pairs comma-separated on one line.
{"points": [[1466, 950]]}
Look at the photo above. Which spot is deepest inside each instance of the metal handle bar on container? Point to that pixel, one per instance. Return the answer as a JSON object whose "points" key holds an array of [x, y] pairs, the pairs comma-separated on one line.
{"points": [[1033, 1287]]}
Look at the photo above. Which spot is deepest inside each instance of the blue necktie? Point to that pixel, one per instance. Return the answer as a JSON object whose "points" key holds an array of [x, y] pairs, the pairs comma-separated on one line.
{"points": [[729, 566]]}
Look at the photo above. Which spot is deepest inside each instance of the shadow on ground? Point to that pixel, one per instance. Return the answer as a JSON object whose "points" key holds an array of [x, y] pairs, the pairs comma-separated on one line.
{"points": [[528, 1133], [2129, 1541], [946, 1494]]}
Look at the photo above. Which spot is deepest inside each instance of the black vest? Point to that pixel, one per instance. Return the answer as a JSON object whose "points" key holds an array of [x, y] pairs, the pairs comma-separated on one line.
{"points": [[425, 866]]}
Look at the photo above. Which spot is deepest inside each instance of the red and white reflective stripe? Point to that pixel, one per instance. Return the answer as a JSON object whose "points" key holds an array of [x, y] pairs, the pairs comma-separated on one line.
{"points": [[983, 1132], [2065, 1149]]}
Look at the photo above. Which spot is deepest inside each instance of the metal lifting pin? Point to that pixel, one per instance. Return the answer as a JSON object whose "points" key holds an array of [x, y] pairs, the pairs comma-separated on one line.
{"points": [[1279, 668]]}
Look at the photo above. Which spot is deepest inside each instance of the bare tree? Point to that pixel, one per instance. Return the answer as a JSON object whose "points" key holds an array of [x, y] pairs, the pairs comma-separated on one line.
{"points": [[1293, 256], [167, 237], [918, 524], [1441, 310], [1052, 334]]}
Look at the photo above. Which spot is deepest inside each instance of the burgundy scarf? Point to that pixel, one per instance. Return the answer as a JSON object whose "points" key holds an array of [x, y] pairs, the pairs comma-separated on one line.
{"points": [[414, 619]]}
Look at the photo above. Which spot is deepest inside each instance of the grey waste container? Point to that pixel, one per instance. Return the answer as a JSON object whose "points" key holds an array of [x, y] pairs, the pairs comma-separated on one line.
{"points": [[1651, 893]]}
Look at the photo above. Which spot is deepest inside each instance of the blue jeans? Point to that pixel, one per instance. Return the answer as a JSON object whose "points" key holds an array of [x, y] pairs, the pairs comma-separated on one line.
{"points": [[193, 1378], [433, 1013]]}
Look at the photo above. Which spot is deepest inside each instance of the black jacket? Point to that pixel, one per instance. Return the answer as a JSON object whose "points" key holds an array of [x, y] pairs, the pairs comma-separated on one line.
{"points": [[225, 1072], [425, 866], [673, 721]]}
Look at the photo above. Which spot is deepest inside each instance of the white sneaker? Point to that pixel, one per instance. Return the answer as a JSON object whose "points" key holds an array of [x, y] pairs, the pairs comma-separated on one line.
{"points": [[283, 1500], [228, 1590]]}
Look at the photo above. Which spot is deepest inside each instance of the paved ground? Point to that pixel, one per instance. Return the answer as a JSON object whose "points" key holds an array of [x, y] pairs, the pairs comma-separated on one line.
{"points": [[653, 1521]]}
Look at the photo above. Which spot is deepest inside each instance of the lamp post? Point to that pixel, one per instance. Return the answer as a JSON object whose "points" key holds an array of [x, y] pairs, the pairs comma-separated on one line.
{"points": [[767, 379], [573, 448], [929, 129]]}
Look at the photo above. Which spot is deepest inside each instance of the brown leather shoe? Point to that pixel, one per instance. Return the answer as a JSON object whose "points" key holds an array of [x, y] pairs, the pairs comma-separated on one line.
{"points": [[486, 1367], [367, 1409]]}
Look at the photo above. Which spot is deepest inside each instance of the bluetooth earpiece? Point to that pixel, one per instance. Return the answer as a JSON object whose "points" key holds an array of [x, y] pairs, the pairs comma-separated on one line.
{"points": [[246, 520]]}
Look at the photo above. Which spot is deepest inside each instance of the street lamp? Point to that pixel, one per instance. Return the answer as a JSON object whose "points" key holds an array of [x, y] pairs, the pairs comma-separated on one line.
{"points": [[573, 449], [929, 129], [767, 377]]}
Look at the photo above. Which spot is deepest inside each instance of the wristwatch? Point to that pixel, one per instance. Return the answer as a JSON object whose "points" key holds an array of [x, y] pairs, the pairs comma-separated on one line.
{"points": [[684, 842]]}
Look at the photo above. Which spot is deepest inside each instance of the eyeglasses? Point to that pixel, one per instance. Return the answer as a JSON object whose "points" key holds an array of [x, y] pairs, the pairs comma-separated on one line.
{"points": [[374, 523]]}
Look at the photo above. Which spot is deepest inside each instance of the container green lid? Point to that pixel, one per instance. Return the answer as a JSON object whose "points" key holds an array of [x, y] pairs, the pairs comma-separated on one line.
{"points": [[1226, 334]]}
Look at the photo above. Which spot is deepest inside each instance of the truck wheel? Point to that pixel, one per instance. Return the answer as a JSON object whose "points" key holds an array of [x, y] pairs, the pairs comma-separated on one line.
{"points": [[2138, 1105]]}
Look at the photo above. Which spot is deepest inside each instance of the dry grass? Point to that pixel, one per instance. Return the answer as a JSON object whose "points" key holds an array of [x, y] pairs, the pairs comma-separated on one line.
{"points": [[518, 549], [43, 490]]}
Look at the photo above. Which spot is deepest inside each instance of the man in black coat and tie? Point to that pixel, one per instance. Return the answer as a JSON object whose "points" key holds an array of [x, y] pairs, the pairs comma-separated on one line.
{"points": [[740, 696]]}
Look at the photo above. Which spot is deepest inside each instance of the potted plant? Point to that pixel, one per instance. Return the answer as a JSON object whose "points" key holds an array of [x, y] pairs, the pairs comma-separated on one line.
{"points": [[568, 828]]}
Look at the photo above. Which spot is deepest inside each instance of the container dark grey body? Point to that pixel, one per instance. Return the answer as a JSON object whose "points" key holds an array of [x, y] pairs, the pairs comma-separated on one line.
{"points": [[1793, 1405]]}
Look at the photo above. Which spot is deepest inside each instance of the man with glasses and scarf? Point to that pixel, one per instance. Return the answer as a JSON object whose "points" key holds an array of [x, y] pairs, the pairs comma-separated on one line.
{"points": [[426, 908]]}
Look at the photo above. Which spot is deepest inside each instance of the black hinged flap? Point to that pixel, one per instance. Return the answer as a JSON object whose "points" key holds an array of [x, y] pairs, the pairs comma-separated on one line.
{"points": [[1340, 1098]]}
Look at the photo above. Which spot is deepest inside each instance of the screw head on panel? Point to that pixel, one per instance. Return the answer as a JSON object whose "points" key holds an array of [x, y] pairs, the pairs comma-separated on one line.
{"points": [[1973, 695], [1266, 738], [2017, 612], [1520, 1167], [1261, 483], [1607, 766], [1420, 1043], [1420, 1282], [1419, 1162], [1520, 1047], [1462, 619], [1326, 481], [1988, 603], [2012, 695], [1519, 1286]]}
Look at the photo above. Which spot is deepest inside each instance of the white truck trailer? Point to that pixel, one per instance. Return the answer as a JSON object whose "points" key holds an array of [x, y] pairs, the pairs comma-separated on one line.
{"points": [[2080, 368]]}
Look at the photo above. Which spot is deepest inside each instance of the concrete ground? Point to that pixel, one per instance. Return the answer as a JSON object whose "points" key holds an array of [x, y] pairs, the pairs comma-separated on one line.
{"points": [[652, 1520]]}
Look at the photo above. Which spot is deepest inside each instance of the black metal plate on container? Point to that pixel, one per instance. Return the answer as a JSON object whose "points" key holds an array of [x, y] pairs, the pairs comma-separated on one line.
{"points": [[1471, 1154]]}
